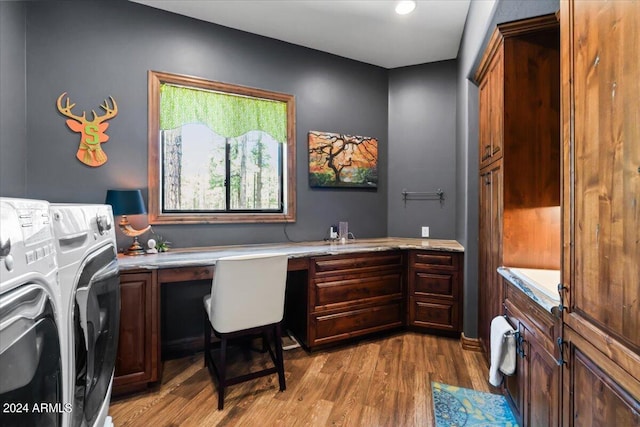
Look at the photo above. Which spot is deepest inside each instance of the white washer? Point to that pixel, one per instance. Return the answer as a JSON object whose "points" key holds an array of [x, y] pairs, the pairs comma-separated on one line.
{"points": [[33, 346], [89, 279]]}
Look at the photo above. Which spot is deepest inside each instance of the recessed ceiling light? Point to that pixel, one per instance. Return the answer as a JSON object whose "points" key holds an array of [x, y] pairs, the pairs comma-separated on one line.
{"points": [[404, 7]]}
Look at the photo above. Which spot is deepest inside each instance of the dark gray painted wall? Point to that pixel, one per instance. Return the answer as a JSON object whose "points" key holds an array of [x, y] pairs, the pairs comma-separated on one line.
{"points": [[476, 27], [469, 57], [13, 130], [105, 49], [422, 111]]}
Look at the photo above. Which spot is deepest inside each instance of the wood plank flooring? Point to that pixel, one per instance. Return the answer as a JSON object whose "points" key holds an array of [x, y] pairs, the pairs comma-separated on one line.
{"points": [[378, 382]]}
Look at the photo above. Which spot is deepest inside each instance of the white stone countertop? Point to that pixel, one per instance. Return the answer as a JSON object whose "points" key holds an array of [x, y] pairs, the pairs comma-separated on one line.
{"points": [[539, 285], [205, 256]]}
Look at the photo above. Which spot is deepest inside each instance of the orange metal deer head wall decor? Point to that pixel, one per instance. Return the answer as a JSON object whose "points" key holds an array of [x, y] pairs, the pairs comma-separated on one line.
{"points": [[92, 132]]}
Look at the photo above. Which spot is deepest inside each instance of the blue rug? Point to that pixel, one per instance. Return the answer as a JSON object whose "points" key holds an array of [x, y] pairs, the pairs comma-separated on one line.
{"points": [[457, 407]]}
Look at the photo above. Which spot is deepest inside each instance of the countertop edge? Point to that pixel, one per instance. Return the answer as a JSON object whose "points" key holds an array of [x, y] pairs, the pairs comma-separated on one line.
{"points": [[207, 256], [534, 294]]}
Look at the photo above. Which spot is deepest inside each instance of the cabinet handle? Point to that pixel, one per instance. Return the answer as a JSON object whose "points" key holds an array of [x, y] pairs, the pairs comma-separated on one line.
{"points": [[561, 291], [560, 361], [520, 345]]}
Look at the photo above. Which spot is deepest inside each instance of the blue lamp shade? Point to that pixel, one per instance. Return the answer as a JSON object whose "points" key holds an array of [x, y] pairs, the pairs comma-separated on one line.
{"points": [[126, 202]]}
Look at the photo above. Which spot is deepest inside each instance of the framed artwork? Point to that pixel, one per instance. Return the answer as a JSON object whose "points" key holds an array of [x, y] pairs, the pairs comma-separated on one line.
{"points": [[342, 161]]}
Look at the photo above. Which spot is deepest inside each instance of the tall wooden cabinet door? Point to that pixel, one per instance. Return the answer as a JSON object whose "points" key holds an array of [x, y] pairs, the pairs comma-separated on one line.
{"points": [[490, 294], [137, 359], [492, 110], [497, 111], [484, 149], [600, 42]]}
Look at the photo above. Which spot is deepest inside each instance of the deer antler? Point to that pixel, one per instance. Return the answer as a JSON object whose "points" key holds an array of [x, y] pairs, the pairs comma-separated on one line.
{"points": [[109, 111], [66, 111]]}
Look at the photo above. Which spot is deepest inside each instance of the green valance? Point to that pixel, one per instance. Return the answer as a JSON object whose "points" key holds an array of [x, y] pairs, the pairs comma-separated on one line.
{"points": [[227, 115]]}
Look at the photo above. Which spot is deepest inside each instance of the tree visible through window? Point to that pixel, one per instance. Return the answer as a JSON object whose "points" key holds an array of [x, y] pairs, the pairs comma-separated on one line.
{"points": [[224, 153]]}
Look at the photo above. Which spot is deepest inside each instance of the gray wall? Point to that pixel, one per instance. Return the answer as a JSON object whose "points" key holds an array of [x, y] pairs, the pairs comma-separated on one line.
{"points": [[70, 50], [422, 150], [13, 130], [482, 18]]}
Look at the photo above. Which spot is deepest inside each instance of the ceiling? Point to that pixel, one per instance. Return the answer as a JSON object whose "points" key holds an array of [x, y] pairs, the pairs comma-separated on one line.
{"points": [[365, 30]]}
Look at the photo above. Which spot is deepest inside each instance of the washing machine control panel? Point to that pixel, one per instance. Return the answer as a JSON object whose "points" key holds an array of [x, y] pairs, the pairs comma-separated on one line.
{"points": [[26, 236]]}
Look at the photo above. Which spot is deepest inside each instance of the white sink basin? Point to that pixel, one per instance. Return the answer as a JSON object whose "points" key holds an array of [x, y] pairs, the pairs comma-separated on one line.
{"points": [[546, 281]]}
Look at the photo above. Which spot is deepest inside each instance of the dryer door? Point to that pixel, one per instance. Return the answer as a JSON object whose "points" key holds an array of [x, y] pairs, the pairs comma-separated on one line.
{"points": [[31, 378], [96, 323]]}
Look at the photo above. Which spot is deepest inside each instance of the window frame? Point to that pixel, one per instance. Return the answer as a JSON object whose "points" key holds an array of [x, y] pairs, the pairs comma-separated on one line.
{"points": [[156, 215]]}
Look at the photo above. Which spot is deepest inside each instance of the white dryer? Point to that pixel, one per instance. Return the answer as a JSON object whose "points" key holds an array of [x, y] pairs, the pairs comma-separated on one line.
{"points": [[89, 279], [33, 355]]}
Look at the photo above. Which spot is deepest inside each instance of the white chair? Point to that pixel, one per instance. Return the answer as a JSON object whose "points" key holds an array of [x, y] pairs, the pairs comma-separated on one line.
{"points": [[247, 298]]}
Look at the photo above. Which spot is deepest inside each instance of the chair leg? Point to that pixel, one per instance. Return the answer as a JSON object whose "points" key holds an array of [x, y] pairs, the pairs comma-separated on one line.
{"points": [[279, 357], [207, 338], [222, 372]]}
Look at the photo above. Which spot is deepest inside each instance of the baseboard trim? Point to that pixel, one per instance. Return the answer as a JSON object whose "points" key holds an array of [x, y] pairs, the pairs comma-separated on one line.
{"points": [[471, 344]]}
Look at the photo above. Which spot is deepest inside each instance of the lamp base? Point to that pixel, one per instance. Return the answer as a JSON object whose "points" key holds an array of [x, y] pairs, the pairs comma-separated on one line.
{"points": [[135, 248]]}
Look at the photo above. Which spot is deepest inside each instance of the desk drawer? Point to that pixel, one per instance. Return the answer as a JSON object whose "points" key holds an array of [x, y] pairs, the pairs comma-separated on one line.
{"points": [[421, 260], [434, 314], [335, 327], [440, 284], [346, 265], [330, 294]]}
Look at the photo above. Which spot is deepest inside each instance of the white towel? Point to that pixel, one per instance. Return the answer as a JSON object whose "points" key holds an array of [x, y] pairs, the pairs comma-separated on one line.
{"points": [[503, 350]]}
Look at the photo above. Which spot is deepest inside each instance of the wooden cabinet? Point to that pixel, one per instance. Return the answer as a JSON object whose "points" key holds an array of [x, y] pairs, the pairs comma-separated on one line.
{"points": [[534, 389], [435, 291], [519, 137], [601, 133], [355, 294], [137, 362]]}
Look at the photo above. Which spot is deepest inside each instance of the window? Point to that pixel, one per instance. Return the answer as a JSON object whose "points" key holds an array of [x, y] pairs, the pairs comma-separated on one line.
{"points": [[219, 152]]}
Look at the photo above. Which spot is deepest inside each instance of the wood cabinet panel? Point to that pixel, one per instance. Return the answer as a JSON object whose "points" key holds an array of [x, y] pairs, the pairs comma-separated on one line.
{"points": [[353, 295], [435, 290], [355, 263], [607, 168], [593, 396], [331, 328], [601, 379], [534, 389], [332, 294], [484, 149], [544, 386], [490, 291], [137, 361], [435, 315], [492, 108], [432, 259], [496, 105], [435, 284]]}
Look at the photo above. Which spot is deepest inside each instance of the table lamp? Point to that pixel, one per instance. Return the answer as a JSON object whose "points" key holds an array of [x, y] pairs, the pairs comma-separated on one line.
{"points": [[128, 202]]}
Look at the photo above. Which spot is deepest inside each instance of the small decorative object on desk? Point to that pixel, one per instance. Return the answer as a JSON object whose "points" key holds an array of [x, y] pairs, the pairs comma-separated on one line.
{"points": [[151, 244], [161, 244]]}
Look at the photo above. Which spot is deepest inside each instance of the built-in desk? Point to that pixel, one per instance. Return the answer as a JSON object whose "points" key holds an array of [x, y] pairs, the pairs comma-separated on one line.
{"points": [[335, 292]]}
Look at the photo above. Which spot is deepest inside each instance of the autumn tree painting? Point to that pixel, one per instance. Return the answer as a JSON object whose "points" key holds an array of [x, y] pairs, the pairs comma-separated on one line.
{"points": [[340, 160]]}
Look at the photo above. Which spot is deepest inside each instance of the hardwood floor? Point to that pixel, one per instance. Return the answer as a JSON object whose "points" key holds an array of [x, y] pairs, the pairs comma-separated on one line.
{"points": [[381, 382]]}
